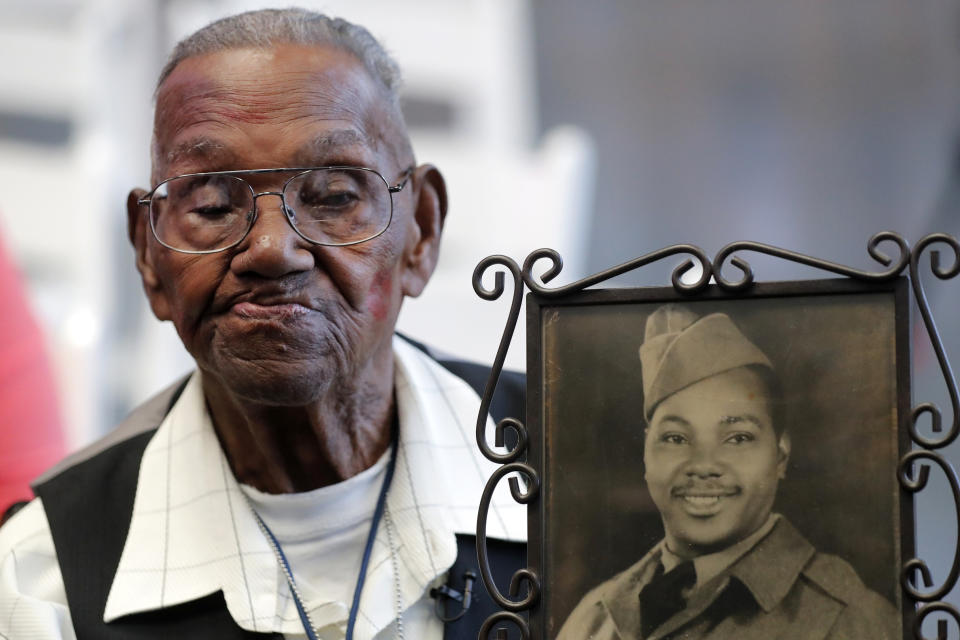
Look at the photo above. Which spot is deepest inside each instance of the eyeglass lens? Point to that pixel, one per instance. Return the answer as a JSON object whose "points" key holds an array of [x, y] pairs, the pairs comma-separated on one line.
{"points": [[207, 212]]}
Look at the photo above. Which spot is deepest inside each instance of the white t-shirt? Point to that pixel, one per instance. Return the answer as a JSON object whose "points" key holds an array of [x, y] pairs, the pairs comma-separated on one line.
{"points": [[323, 534]]}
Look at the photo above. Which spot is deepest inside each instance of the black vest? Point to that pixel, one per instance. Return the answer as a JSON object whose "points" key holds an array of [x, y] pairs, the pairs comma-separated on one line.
{"points": [[89, 506]]}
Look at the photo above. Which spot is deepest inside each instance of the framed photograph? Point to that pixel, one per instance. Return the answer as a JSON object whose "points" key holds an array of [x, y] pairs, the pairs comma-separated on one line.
{"points": [[723, 462]]}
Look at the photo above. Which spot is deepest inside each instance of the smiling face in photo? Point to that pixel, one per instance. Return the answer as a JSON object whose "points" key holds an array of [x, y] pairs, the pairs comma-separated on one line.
{"points": [[713, 461]]}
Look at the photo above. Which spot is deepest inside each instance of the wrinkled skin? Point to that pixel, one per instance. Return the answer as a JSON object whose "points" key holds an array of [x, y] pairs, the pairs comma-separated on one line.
{"points": [[293, 340], [713, 462]]}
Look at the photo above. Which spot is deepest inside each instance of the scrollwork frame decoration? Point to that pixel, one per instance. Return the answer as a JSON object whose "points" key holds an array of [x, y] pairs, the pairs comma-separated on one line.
{"points": [[733, 277]]}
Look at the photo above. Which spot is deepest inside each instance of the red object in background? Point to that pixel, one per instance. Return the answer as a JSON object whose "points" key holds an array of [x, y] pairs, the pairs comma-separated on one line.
{"points": [[31, 437]]}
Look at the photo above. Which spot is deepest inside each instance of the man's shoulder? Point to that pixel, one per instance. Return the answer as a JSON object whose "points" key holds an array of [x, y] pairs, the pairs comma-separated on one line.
{"points": [[509, 397], [834, 575], [820, 586], [144, 418], [862, 607], [606, 605], [590, 615]]}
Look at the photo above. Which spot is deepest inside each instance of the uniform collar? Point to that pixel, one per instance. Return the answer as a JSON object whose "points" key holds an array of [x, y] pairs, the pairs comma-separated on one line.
{"points": [[768, 570], [191, 533]]}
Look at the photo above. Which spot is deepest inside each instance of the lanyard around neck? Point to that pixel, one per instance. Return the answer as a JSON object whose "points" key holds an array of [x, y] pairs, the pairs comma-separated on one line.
{"points": [[364, 563]]}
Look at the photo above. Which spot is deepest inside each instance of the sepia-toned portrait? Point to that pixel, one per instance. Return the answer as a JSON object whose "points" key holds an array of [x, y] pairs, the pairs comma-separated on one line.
{"points": [[720, 467]]}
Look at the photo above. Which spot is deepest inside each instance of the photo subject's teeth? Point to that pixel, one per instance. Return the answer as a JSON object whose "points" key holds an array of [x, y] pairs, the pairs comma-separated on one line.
{"points": [[702, 500]]}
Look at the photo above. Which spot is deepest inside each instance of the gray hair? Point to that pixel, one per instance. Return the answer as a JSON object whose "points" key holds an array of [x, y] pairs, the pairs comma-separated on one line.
{"points": [[264, 28]]}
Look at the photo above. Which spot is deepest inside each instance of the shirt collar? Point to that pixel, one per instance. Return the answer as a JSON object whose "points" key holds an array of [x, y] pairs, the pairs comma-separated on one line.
{"points": [[770, 571], [191, 533]]}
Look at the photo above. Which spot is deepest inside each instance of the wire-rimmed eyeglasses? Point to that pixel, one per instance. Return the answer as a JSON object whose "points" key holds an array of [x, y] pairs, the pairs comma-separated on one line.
{"points": [[214, 210]]}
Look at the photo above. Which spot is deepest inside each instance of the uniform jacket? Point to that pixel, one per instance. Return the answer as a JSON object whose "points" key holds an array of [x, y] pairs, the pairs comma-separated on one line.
{"points": [[782, 588], [88, 496]]}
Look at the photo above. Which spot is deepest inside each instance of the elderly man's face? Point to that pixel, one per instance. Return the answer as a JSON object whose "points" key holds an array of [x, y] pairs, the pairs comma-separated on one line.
{"points": [[277, 319], [713, 462]]}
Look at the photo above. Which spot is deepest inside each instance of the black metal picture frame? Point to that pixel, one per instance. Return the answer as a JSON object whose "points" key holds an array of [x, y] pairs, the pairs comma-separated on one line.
{"points": [[610, 321]]}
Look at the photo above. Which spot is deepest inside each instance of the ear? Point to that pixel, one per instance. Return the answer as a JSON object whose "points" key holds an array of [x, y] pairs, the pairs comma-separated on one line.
{"points": [[138, 231], [783, 454], [423, 246]]}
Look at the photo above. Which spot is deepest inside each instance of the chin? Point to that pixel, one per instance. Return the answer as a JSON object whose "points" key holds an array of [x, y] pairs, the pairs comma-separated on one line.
{"points": [[281, 392], [703, 538], [706, 547], [277, 381]]}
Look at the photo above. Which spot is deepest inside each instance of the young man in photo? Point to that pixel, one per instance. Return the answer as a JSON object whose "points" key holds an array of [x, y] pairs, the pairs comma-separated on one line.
{"points": [[715, 449]]}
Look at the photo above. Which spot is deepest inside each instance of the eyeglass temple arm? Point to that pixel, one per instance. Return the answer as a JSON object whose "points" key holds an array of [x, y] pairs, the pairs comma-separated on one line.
{"points": [[397, 188]]}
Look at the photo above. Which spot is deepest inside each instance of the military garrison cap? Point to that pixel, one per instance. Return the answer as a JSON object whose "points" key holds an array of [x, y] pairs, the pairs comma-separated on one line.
{"points": [[680, 348]]}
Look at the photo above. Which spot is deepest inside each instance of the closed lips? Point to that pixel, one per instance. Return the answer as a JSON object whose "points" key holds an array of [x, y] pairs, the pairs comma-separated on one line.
{"points": [[256, 310]]}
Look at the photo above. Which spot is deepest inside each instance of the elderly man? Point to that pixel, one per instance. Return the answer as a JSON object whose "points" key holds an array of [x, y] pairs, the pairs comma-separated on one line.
{"points": [[313, 478], [714, 451]]}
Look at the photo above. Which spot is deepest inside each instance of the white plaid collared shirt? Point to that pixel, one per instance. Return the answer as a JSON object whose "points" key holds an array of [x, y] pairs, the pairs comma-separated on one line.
{"points": [[191, 533]]}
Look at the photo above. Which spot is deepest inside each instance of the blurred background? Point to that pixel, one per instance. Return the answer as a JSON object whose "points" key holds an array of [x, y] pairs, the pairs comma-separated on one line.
{"points": [[603, 129]]}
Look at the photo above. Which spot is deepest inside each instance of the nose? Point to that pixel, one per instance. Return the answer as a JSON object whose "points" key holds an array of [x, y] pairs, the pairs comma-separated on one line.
{"points": [[272, 248], [703, 461]]}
